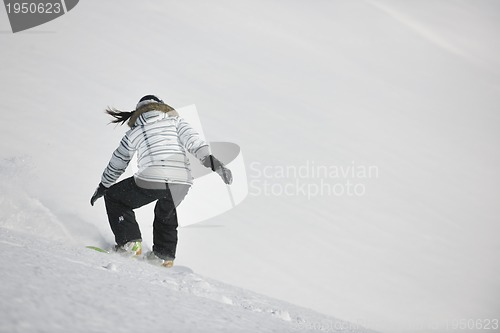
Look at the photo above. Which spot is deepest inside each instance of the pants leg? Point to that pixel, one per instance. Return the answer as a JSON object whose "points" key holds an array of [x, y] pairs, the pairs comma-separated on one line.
{"points": [[165, 222], [120, 200]]}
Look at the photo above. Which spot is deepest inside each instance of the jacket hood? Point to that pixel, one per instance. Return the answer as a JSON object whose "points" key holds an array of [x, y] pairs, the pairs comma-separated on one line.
{"points": [[139, 116]]}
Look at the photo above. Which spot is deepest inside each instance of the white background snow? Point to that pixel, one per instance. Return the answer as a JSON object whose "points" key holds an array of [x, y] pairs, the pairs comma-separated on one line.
{"points": [[410, 87]]}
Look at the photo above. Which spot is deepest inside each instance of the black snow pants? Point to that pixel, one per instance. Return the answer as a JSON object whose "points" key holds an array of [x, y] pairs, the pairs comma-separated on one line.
{"points": [[123, 197]]}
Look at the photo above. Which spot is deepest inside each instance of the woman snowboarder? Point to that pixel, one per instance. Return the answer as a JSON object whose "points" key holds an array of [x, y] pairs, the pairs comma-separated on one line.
{"points": [[161, 139]]}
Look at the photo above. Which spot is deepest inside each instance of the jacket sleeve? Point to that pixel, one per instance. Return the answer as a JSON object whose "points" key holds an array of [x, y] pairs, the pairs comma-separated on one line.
{"points": [[118, 163], [191, 140]]}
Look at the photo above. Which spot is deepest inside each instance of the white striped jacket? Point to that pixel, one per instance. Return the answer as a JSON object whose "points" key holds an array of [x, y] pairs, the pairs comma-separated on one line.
{"points": [[161, 142]]}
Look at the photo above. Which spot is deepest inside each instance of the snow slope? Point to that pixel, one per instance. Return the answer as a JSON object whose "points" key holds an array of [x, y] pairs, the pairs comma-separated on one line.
{"points": [[412, 88], [50, 287]]}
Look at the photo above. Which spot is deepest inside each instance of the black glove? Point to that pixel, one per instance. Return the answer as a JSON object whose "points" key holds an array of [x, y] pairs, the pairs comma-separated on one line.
{"points": [[99, 192], [211, 162]]}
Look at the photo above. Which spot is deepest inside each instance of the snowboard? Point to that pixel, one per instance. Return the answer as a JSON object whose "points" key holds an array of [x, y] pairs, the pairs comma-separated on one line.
{"points": [[98, 249], [167, 264]]}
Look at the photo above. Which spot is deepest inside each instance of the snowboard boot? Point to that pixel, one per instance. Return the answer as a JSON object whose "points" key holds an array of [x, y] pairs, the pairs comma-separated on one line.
{"points": [[160, 260], [133, 248]]}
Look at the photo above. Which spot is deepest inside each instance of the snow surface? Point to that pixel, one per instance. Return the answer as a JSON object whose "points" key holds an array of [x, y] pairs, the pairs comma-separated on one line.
{"points": [[410, 87], [48, 286]]}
